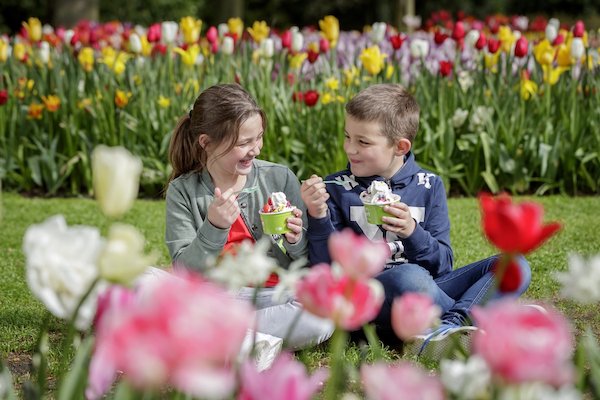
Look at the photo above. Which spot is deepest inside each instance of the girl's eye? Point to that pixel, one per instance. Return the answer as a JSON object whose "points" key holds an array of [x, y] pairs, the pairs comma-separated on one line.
{"points": [[364, 143]]}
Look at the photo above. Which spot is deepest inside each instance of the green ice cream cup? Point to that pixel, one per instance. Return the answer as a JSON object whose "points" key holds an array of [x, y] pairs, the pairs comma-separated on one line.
{"points": [[375, 212], [275, 223]]}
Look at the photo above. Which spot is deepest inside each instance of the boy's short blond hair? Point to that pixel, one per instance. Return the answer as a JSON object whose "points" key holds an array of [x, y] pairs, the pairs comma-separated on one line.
{"points": [[392, 106]]}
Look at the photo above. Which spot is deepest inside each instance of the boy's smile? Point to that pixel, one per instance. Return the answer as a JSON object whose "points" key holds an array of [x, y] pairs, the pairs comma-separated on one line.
{"points": [[369, 151]]}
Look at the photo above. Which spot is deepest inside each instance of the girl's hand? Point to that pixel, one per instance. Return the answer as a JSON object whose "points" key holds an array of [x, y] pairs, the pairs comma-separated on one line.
{"points": [[402, 223], [314, 194], [224, 209], [295, 224]]}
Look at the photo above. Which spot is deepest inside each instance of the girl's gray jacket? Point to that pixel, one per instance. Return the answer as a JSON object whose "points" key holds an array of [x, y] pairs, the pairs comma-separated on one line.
{"points": [[195, 243]]}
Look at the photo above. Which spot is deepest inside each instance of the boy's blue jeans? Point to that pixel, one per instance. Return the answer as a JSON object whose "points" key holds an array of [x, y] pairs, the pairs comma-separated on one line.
{"points": [[455, 292]]}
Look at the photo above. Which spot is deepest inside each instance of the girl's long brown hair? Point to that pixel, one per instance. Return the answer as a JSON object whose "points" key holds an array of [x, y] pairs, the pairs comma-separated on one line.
{"points": [[218, 112]]}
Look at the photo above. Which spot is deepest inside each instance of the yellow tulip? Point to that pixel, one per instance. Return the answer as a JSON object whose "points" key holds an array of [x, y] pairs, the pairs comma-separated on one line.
{"points": [[33, 26], [116, 61], [389, 71], [190, 28], [259, 31], [297, 60], [86, 59], [552, 74], [52, 102], [4, 46], [20, 52], [507, 38], [563, 57], [236, 26], [164, 102], [351, 76], [327, 98], [528, 89], [372, 59], [544, 52], [122, 98], [35, 111], [188, 56], [332, 83], [491, 61], [330, 29]]}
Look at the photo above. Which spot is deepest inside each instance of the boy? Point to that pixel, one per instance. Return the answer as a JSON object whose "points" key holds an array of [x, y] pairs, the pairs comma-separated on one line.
{"points": [[380, 127]]}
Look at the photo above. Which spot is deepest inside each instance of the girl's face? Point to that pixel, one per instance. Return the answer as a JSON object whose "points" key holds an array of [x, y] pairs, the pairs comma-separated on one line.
{"points": [[238, 161], [369, 151]]}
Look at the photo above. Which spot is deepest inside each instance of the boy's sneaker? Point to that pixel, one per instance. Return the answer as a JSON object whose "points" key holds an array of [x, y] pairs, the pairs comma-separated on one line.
{"points": [[447, 341]]}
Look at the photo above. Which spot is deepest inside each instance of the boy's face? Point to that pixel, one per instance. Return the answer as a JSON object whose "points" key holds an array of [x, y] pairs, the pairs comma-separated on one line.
{"points": [[369, 151]]}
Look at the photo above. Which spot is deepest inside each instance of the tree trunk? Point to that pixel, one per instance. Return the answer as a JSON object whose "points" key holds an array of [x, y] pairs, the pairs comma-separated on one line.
{"points": [[229, 9], [67, 13]]}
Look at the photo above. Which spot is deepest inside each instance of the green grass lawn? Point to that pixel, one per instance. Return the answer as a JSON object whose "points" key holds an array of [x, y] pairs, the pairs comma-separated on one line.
{"points": [[21, 314]]}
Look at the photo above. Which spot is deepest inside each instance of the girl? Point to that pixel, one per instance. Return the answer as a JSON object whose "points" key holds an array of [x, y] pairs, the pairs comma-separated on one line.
{"points": [[215, 192]]}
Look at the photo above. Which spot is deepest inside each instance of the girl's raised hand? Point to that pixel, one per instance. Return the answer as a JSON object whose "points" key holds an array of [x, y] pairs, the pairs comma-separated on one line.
{"points": [[295, 224], [314, 194], [224, 209]]}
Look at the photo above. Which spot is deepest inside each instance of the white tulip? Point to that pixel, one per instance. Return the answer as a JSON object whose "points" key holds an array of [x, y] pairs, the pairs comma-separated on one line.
{"points": [[459, 117], [582, 281], [267, 47], [223, 29], [116, 178], [419, 48], [227, 46], [168, 30], [44, 52], [61, 266], [551, 32], [135, 43], [69, 33], [554, 22], [297, 41], [122, 258], [469, 379], [378, 31], [472, 37], [577, 48]]}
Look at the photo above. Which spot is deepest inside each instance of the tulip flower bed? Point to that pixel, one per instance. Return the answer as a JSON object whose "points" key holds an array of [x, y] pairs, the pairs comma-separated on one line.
{"points": [[507, 103]]}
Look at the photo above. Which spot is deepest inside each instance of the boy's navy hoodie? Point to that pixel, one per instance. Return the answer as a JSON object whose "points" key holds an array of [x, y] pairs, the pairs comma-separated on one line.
{"points": [[423, 191]]}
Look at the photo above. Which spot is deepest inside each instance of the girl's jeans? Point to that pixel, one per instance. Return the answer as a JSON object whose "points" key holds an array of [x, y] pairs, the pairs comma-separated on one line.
{"points": [[455, 292]]}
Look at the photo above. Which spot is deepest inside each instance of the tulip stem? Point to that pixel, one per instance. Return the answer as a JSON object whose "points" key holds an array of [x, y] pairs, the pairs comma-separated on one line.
{"points": [[337, 367]]}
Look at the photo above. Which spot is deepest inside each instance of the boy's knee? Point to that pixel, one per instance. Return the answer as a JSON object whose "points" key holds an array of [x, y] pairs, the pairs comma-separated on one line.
{"points": [[407, 278]]}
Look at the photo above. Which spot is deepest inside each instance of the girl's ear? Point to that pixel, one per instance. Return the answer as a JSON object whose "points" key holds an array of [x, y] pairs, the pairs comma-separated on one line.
{"points": [[203, 140], [402, 147]]}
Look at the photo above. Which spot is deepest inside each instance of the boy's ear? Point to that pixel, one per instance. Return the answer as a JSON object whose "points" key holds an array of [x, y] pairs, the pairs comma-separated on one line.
{"points": [[403, 146]]}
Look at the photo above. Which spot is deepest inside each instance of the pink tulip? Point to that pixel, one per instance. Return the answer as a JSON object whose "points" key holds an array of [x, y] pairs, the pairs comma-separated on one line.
{"points": [[400, 381], [521, 344], [347, 302], [285, 380], [181, 331], [412, 314], [212, 35], [521, 47], [359, 257]]}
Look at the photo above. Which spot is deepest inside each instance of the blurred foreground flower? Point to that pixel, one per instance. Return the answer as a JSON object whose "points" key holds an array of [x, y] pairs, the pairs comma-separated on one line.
{"points": [[116, 177], [174, 334], [61, 267], [582, 282]]}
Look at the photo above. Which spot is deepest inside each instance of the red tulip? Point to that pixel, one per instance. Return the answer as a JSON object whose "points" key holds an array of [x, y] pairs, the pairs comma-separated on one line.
{"points": [[297, 96], [312, 56], [3, 97], [493, 45], [514, 228], [324, 45], [212, 35], [560, 39], [521, 47], [481, 42], [459, 31], [396, 41], [439, 37], [578, 29], [511, 277], [311, 97], [446, 68], [286, 39], [154, 32]]}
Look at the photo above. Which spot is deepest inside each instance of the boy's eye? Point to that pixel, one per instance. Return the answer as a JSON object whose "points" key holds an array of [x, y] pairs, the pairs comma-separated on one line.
{"points": [[365, 143]]}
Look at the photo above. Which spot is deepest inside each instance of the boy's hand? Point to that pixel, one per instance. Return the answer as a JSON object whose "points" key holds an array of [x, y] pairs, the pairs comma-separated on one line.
{"points": [[402, 223], [295, 224], [224, 209], [314, 194]]}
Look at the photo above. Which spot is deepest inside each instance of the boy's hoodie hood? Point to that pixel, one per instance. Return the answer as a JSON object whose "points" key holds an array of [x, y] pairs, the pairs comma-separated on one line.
{"points": [[402, 178]]}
